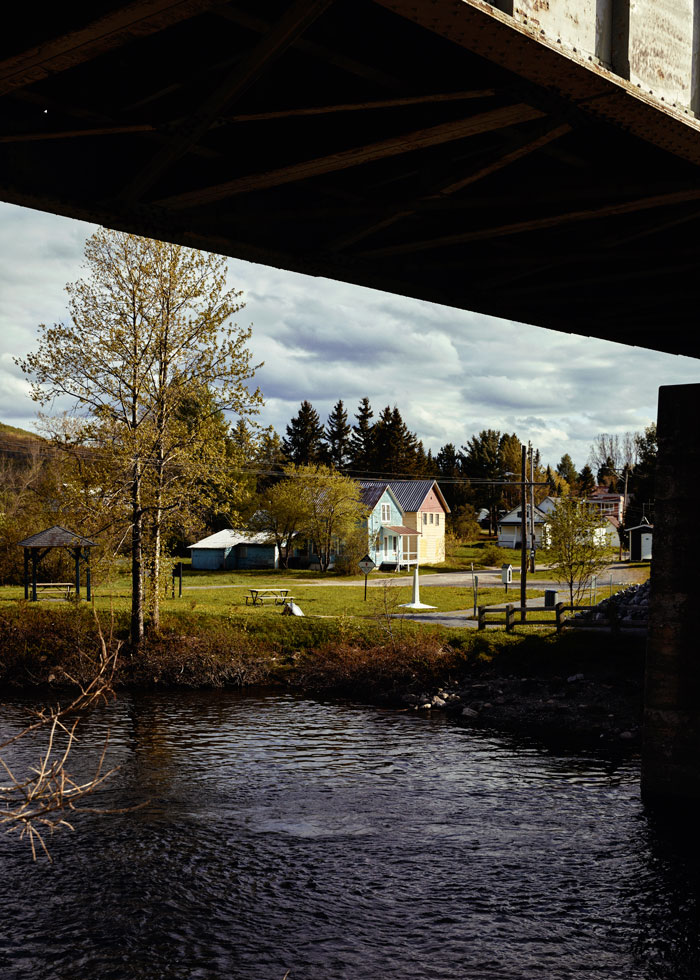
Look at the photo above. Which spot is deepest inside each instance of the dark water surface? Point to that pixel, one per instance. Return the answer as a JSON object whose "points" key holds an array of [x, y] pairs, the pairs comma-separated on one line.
{"points": [[339, 841]]}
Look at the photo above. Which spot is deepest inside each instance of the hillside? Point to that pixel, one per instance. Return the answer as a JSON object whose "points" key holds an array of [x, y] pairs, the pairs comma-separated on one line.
{"points": [[18, 442]]}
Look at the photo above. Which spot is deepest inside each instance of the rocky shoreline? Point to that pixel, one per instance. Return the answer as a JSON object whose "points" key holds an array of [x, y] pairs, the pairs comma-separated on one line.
{"points": [[598, 702]]}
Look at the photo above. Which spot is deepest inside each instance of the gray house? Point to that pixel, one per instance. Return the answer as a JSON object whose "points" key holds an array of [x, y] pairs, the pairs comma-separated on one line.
{"points": [[234, 549]]}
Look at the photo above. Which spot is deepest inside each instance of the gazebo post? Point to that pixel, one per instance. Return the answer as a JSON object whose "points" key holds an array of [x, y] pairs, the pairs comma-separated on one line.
{"points": [[34, 564], [77, 573], [87, 574], [26, 573]]}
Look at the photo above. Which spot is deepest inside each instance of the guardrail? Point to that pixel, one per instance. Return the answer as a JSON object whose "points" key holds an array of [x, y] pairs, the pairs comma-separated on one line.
{"points": [[612, 619]]}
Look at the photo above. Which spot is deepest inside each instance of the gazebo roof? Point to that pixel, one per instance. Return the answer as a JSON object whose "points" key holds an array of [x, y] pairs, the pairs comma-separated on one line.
{"points": [[56, 537]]}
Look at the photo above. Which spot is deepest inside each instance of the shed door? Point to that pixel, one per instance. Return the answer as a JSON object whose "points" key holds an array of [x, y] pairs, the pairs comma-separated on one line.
{"points": [[646, 546]]}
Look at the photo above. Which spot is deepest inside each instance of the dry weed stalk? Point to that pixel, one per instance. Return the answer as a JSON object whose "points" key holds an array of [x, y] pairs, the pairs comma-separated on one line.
{"points": [[38, 802]]}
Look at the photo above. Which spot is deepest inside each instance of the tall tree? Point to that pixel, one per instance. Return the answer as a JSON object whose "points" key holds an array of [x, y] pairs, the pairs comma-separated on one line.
{"points": [[149, 323], [453, 483], [304, 442], [586, 481], [270, 459], [567, 470], [482, 464], [643, 477], [282, 512], [396, 450], [362, 439], [337, 434], [510, 454], [334, 507]]}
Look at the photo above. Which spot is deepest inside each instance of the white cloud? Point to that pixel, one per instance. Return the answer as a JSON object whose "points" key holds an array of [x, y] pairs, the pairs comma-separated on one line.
{"points": [[452, 373]]}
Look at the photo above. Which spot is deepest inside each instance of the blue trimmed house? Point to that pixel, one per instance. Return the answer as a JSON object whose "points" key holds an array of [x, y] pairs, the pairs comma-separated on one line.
{"points": [[390, 540]]}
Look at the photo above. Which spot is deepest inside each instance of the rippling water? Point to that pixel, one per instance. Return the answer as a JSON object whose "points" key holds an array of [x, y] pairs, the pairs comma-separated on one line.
{"points": [[335, 840]]}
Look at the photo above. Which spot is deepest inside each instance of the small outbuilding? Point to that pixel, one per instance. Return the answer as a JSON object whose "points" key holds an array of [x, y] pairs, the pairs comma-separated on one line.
{"points": [[229, 549], [640, 540]]}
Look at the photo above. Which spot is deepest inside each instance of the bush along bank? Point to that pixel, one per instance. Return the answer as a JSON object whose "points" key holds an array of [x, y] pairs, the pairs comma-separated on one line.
{"points": [[575, 687]]}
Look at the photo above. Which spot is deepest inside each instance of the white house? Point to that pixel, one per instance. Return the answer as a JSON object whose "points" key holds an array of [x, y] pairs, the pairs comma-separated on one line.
{"points": [[510, 525]]}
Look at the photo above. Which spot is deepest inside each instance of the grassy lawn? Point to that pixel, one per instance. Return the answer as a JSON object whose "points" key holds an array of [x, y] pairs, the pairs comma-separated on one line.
{"points": [[314, 599]]}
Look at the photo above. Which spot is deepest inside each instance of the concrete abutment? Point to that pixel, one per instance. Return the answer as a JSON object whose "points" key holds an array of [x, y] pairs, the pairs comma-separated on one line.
{"points": [[671, 753]]}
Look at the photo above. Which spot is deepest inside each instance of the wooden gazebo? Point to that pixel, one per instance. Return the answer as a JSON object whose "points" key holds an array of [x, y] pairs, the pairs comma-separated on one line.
{"points": [[38, 545]]}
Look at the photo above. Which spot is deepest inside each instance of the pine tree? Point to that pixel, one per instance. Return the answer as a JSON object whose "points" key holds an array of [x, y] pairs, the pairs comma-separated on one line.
{"points": [[395, 446], [362, 439], [304, 443], [448, 463], [482, 461], [567, 470], [270, 460], [338, 437], [586, 481]]}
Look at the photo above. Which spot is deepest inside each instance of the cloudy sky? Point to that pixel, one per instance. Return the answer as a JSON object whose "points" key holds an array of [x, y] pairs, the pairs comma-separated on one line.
{"points": [[451, 373]]}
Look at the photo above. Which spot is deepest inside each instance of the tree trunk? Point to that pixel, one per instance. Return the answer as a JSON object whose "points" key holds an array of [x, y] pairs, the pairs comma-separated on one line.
{"points": [[136, 559]]}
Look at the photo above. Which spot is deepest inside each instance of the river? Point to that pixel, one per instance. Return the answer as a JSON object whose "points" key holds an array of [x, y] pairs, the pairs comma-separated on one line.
{"points": [[335, 840]]}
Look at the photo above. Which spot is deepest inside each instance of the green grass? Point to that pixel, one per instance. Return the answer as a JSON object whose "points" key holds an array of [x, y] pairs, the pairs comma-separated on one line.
{"points": [[314, 599]]}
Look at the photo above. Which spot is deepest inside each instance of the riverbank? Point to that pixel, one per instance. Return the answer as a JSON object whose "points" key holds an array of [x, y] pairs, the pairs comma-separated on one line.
{"points": [[582, 689]]}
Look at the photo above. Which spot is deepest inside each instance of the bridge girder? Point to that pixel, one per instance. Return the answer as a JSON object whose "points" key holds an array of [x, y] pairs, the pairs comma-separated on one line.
{"points": [[440, 149]]}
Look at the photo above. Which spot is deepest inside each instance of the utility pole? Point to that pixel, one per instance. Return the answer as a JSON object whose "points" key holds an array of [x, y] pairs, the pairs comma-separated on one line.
{"points": [[523, 536], [532, 507]]}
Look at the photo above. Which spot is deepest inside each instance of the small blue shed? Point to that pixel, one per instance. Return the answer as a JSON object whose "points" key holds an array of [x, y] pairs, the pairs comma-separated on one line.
{"points": [[231, 549]]}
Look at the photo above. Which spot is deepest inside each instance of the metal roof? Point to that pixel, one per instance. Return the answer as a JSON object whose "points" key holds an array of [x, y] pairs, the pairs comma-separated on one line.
{"points": [[228, 538], [410, 494], [402, 529], [56, 537], [441, 149], [371, 492]]}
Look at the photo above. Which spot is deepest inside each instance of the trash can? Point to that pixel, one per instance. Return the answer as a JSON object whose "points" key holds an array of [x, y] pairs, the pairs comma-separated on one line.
{"points": [[550, 598]]}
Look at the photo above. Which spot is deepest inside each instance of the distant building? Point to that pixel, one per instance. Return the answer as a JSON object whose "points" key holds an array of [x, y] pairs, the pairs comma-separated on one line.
{"points": [[510, 527], [641, 541], [606, 502], [231, 549]]}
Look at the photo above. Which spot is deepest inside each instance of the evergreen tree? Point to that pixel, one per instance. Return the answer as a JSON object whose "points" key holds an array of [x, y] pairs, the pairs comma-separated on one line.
{"points": [[362, 439], [607, 475], [641, 482], [395, 446], [586, 481], [482, 461], [338, 433], [270, 460], [510, 454], [567, 470], [448, 464], [304, 443]]}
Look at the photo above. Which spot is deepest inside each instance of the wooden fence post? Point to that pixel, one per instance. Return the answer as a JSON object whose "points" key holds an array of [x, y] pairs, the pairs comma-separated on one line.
{"points": [[482, 618], [560, 617], [509, 618]]}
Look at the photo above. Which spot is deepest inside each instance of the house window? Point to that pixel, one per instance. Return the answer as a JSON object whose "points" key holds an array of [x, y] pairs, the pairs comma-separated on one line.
{"points": [[425, 518], [437, 518], [242, 551], [431, 518], [386, 512]]}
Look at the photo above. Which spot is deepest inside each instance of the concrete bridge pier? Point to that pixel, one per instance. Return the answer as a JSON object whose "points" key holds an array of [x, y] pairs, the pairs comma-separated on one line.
{"points": [[671, 752]]}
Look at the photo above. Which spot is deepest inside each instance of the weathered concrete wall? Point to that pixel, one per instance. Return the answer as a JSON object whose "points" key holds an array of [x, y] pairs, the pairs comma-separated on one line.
{"points": [[671, 755], [652, 43]]}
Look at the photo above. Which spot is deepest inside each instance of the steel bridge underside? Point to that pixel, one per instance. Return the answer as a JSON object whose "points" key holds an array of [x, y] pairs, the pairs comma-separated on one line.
{"points": [[431, 148]]}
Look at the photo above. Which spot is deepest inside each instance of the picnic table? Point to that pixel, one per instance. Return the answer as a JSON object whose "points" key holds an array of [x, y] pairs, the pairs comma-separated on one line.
{"points": [[258, 596], [60, 588]]}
